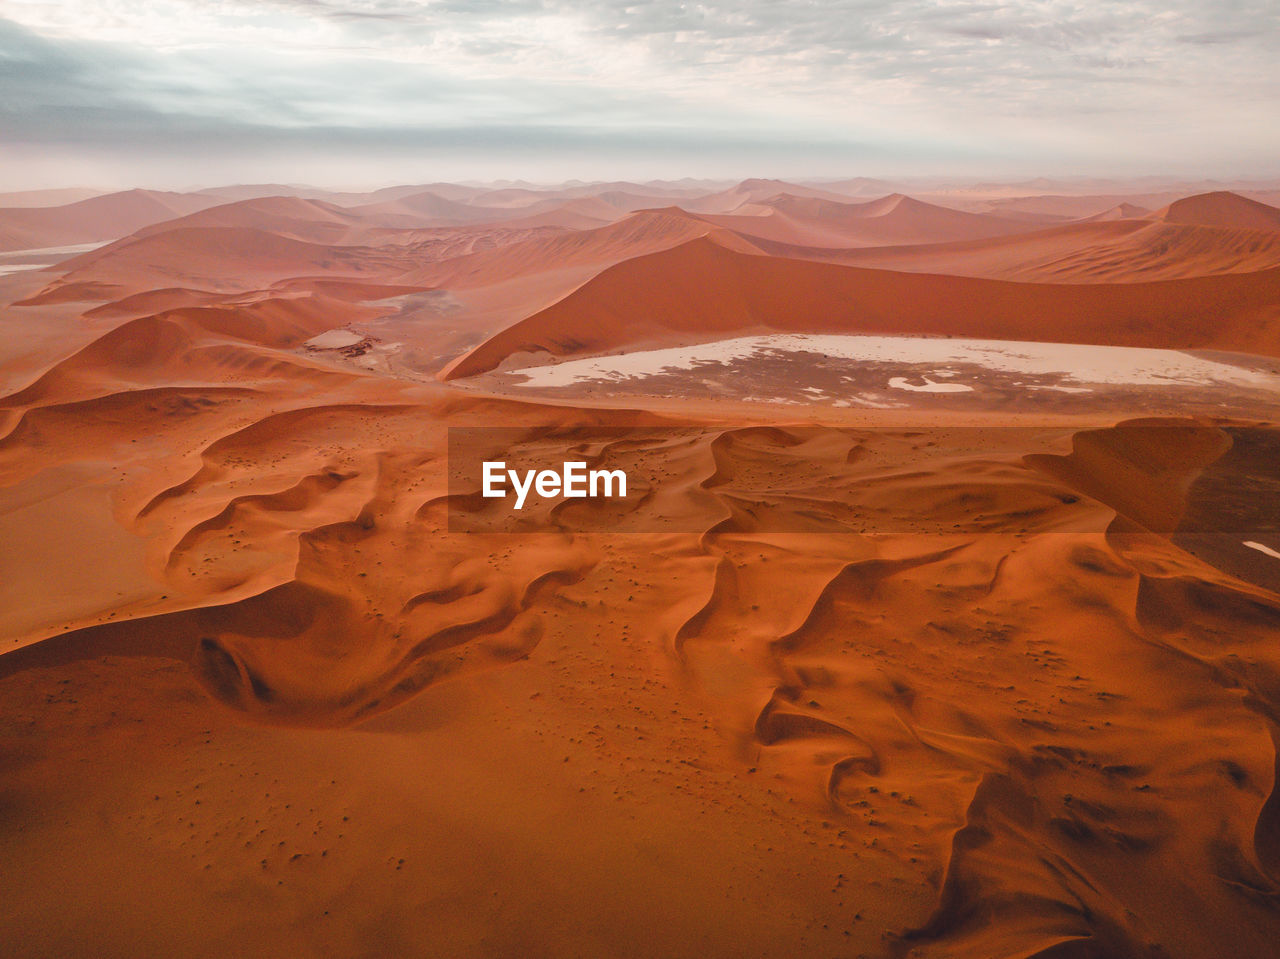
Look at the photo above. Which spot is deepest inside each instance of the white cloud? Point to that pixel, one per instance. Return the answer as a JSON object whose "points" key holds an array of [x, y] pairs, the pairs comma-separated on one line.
{"points": [[1047, 82]]}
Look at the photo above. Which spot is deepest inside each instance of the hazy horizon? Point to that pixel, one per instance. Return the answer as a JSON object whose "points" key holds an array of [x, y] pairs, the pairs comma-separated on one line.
{"points": [[66, 192]]}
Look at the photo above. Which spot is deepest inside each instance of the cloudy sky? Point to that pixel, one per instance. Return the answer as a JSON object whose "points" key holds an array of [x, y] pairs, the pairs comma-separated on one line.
{"points": [[364, 92]]}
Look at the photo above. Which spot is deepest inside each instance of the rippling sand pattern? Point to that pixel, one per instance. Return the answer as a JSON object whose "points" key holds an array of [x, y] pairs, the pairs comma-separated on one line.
{"points": [[943, 619]]}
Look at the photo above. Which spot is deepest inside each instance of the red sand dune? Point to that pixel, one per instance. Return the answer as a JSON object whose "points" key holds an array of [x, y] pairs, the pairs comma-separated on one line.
{"points": [[516, 198], [423, 209], [653, 189], [208, 258], [1108, 250], [888, 221], [753, 191], [580, 213], [429, 210], [860, 186], [1121, 211], [702, 290], [631, 200], [1070, 207], [98, 218], [914, 720], [54, 197], [1222, 209], [258, 698], [212, 344], [312, 221], [635, 235], [150, 302], [254, 191]]}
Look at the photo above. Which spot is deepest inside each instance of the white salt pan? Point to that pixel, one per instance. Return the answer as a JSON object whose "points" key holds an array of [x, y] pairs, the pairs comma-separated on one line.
{"points": [[1078, 363]]}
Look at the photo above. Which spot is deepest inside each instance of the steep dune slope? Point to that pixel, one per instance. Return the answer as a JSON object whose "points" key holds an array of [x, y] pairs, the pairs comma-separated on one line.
{"points": [[311, 221], [1121, 211], [636, 235], [217, 345], [1222, 209], [701, 290], [425, 209], [889, 221], [97, 218], [579, 213], [212, 258], [1109, 250], [754, 191], [430, 210], [58, 196]]}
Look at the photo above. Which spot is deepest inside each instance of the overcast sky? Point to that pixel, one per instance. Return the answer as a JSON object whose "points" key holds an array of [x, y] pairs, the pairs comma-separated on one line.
{"points": [[365, 92]]}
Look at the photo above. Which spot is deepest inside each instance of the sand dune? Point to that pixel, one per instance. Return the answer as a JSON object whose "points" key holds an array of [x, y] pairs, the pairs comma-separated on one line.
{"points": [[206, 258], [860, 186], [1108, 249], [1222, 209], [515, 198], [1012, 775], [707, 291], [754, 191], [889, 221], [311, 221], [928, 680], [629, 200], [213, 344], [619, 193], [253, 191], [635, 235], [40, 198], [1071, 207], [584, 213], [97, 218], [1121, 211], [653, 189], [427, 209]]}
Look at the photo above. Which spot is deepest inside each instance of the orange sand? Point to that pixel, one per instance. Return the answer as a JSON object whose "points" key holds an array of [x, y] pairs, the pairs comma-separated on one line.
{"points": [[258, 700]]}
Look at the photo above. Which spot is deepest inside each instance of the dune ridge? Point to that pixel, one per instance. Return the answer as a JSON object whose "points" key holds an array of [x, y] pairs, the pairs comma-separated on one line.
{"points": [[711, 291], [1120, 250], [92, 219]]}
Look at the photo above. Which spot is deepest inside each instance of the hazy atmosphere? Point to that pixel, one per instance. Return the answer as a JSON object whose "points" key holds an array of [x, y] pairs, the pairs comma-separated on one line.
{"points": [[354, 93]]}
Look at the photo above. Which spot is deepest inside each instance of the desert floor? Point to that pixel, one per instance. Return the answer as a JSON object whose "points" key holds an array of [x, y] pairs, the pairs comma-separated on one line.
{"points": [[942, 618]]}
